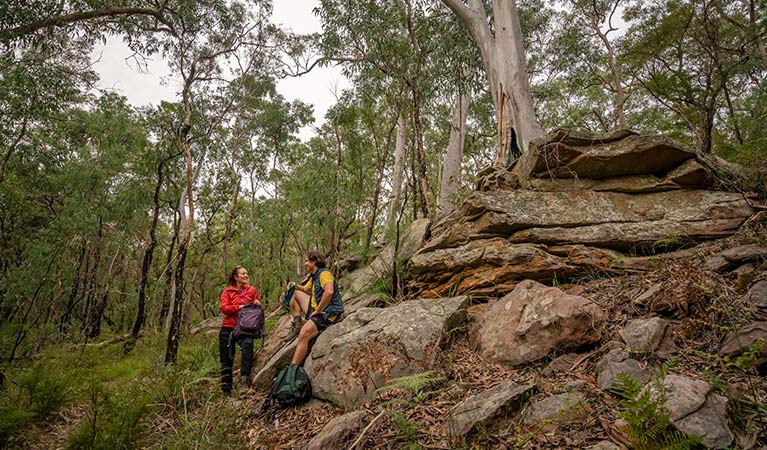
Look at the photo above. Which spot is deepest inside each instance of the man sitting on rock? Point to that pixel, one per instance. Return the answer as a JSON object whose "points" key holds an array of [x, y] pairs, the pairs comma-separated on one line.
{"points": [[319, 301]]}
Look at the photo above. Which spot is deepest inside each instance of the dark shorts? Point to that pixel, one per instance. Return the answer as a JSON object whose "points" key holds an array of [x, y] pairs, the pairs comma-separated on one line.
{"points": [[321, 321]]}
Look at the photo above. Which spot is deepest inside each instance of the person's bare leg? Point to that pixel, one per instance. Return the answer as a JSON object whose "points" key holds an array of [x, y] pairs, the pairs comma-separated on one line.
{"points": [[308, 332]]}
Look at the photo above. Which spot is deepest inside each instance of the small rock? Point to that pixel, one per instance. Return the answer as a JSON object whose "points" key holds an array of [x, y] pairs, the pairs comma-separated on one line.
{"points": [[557, 410], [745, 274], [507, 397], [616, 362], [717, 264], [746, 338], [338, 432], [744, 253], [643, 336], [757, 294], [603, 445], [695, 410], [562, 363], [647, 296]]}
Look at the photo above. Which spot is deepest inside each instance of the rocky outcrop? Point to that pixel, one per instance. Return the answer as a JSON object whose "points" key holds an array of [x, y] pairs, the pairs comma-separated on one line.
{"points": [[600, 196], [534, 320], [375, 345]]}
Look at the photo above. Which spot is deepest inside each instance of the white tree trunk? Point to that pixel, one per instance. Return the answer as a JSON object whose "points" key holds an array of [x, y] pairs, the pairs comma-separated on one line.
{"points": [[503, 56], [451, 168], [399, 169]]}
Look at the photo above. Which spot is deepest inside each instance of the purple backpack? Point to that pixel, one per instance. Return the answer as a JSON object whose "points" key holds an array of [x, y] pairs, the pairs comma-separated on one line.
{"points": [[250, 321]]}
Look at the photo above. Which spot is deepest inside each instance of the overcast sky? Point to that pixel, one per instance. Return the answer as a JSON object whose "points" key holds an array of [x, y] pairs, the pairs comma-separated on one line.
{"points": [[122, 75]]}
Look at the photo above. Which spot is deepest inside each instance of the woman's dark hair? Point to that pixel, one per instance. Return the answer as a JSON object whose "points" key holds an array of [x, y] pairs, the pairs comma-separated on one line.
{"points": [[233, 275], [317, 258]]}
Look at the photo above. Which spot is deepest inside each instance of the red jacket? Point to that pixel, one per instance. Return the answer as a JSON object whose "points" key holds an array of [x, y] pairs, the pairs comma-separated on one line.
{"points": [[232, 298]]}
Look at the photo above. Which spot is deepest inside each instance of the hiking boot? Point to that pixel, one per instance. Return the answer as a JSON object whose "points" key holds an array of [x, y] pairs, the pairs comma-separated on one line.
{"points": [[295, 328]]}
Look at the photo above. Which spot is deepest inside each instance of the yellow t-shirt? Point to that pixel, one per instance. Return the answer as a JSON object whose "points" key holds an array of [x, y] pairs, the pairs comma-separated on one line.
{"points": [[325, 278]]}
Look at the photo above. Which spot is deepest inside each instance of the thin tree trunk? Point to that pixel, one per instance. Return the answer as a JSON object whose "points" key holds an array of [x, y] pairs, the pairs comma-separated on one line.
{"points": [[451, 169], [175, 323], [97, 311], [337, 209], [76, 282], [148, 256], [423, 180], [91, 290], [397, 173]]}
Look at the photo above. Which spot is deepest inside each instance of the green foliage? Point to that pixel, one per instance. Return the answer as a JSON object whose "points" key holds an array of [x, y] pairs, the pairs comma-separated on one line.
{"points": [[416, 384], [647, 421], [408, 430]]}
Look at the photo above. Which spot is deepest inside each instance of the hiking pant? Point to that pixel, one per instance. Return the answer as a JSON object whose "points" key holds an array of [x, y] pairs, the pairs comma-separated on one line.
{"points": [[226, 343]]}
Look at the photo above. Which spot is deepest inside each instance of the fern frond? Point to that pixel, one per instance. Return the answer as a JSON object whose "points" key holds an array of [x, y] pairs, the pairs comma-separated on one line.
{"points": [[413, 383]]}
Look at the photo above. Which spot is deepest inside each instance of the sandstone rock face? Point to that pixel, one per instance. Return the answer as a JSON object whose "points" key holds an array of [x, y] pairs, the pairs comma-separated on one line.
{"points": [[617, 362], [373, 346], [602, 194], [568, 154], [505, 398], [534, 320], [339, 432]]}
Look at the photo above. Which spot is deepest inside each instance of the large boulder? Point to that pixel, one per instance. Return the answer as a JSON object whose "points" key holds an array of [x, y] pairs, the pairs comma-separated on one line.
{"points": [[534, 320], [373, 346]]}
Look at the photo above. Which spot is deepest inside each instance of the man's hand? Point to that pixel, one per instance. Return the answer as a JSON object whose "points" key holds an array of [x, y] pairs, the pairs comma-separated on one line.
{"points": [[290, 285], [317, 313]]}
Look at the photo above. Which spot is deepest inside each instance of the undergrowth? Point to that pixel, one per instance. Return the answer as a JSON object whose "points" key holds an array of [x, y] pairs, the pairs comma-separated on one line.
{"points": [[120, 401]]}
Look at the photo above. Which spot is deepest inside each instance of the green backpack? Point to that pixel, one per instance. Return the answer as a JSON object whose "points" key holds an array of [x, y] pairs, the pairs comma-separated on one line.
{"points": [[290, 387]]}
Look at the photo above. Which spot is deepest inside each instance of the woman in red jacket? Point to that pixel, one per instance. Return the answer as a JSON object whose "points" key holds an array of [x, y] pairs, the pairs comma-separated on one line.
{"points": [[235, 295]]}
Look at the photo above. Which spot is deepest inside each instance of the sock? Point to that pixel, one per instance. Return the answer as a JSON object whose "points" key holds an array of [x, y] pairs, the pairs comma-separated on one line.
{"points": [[296, 319]]}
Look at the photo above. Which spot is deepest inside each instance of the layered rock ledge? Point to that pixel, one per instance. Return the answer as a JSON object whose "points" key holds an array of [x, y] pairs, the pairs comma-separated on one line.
{"points": [[575, 204]]}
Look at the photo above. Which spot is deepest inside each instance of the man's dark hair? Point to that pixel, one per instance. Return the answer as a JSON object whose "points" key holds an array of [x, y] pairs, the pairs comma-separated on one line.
{"points": [[317, 258]]}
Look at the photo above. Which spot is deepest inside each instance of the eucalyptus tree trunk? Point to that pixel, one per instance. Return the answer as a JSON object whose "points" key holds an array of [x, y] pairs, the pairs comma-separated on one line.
{"points": [[423, 179], [148, 256], [397, 172], [178, 299], [73, 293], [616, 83], [503, 56], [451, 168], [382, 154]]}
